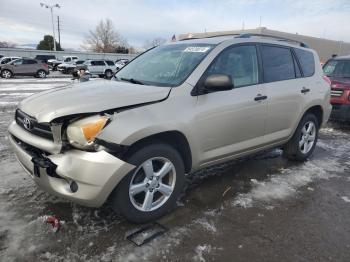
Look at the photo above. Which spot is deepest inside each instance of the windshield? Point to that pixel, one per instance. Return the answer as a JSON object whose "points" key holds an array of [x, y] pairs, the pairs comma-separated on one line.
{"points": [[167, 65], [337, 68]]}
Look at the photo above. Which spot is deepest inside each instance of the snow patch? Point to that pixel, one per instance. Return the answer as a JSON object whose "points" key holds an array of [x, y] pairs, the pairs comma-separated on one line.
{"points": [[208, 226], [346, 199], [286, 184], [200, 251]]}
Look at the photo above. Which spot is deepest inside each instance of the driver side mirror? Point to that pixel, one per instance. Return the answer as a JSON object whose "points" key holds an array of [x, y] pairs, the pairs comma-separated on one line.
{"points": [[218, 82]]}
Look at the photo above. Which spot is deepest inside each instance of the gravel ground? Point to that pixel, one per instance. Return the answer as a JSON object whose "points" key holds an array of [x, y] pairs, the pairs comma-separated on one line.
{"points": [[262, 208]]}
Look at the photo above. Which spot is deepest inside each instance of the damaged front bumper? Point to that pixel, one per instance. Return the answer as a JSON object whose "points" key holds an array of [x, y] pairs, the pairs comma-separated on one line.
{"points": [[83, 177]]}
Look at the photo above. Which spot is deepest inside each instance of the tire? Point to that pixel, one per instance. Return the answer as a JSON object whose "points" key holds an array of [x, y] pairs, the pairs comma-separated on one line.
{"points": [[6, 74], [303, 143], [41, 74], [134, 206], [108, 74]]}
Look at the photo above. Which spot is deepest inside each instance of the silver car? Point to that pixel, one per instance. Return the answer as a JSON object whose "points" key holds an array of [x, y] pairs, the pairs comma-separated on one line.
{"points": [[171, 111]]}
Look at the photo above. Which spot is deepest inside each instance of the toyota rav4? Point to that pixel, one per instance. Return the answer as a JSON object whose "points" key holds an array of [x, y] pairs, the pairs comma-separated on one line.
{"points": [[173, 110]]}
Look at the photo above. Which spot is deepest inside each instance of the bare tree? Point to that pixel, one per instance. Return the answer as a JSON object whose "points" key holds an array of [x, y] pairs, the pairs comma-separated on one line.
{"points": [[105, 38], [154, 42], [5, 44]]}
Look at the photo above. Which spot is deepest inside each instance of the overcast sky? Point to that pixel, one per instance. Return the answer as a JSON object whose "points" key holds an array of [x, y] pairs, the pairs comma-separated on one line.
{"points": [[25, 22]]}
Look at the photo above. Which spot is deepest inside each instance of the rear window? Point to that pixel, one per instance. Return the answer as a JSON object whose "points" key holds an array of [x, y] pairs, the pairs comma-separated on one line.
{"points": [[307, 62], [110, 63], [277, 63]]}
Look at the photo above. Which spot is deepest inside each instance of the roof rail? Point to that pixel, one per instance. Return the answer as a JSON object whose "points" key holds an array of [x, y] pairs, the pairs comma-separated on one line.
{"points": [[277, 38], [248, 35]]}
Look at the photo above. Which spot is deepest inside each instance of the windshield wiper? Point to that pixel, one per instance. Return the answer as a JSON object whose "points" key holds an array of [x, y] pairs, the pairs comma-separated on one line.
{"points": [[132, 80]]}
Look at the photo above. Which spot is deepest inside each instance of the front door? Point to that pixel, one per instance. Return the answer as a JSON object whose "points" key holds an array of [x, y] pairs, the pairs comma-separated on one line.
{"points": [[232, 122]]}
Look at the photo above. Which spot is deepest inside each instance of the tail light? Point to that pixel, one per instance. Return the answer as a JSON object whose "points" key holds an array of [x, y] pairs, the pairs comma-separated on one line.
{"points": [[326, 78]]}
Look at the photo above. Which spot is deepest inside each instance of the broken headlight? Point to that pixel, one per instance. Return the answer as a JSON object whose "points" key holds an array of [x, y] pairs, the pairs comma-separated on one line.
{"points": [[82, 133]]}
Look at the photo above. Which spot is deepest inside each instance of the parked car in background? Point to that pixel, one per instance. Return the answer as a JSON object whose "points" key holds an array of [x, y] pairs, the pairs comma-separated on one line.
{"points": [[44, 58], [7, 59], [25, 67], [66, 64], [337, 70], [102, 68], [173, 110], [121, 63], [1, 56], [69, 68]]}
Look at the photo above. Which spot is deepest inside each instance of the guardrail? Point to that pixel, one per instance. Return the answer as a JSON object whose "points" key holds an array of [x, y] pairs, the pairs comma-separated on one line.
{"points": [[24, 52]]}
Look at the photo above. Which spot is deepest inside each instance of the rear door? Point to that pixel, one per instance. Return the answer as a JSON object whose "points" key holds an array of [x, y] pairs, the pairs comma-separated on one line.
{"points": [[29, 66], [283, 85]]}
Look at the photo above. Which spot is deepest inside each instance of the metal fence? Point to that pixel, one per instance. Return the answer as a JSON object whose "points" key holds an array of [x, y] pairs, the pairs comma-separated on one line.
{"points": [[59, 54]]}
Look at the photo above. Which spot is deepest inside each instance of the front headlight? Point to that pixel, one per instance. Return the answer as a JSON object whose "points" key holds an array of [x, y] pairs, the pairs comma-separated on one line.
{"points": [[82, 133]]}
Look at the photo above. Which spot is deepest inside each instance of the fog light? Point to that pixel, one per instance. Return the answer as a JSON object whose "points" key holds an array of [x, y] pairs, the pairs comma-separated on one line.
{"points": [[73, 186]]}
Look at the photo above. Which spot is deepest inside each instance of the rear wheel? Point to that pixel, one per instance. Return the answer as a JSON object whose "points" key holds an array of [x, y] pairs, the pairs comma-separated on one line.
{"points": [[6, 73], [152, 188], [304, 140], [41, 74]]}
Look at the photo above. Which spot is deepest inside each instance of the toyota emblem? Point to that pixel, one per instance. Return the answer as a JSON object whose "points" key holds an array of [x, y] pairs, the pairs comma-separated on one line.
{"points": [[27, 124]]}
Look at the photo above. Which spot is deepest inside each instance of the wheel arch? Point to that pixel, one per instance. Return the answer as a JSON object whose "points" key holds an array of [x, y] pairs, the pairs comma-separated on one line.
{"points": [[317, 110], [173, 138]]}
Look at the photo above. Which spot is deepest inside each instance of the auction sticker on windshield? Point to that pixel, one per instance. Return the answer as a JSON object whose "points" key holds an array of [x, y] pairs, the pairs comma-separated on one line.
{"points": [[197, 49]]}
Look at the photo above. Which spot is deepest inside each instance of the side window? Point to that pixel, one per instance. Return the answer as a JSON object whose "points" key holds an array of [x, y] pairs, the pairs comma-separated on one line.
{"points": [[100, 63], [94, 63], [239, 62], [18, 62], [110, 63], [278, 63], [307, 61], [29, 62]]}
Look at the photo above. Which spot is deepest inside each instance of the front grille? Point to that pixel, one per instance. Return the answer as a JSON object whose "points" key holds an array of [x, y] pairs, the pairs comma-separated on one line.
{"points": [[337, 92], [39, 129]]}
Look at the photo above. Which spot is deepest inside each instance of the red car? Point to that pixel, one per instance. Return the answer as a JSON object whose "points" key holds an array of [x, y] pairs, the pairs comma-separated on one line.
{"points": [[337, 70]]}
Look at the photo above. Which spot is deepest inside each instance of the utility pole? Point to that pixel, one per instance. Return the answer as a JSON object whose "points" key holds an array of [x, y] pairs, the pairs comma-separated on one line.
{"points": [[59, 30], [53, 25]]}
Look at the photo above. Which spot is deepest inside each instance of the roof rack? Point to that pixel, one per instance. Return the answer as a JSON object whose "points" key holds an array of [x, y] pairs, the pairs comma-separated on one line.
{"points": [[248, 35], [277, 38]]}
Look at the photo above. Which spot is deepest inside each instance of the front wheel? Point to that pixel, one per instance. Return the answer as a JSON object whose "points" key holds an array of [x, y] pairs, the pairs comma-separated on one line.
{"points": [[304, 140], [153, 187], [6, 73]]}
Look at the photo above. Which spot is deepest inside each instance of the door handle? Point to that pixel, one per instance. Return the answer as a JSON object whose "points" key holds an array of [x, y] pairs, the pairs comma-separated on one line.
{"points": [[304, 90], [260, 97]]}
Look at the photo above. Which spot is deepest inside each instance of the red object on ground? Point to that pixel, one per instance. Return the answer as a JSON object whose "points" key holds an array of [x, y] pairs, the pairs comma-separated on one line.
{"points": [[54, 222]]}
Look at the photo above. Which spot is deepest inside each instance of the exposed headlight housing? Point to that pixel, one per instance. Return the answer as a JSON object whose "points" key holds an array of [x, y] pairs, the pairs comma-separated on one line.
{"points": [[81, 133]]}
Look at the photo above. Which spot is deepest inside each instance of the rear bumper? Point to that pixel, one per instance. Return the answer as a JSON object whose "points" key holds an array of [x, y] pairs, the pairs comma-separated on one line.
{"points": [[96, 174], [340, 112]]}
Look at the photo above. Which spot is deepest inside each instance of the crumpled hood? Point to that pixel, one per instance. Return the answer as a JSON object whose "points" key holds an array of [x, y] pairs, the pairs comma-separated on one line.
{"points": [[89, 97]]}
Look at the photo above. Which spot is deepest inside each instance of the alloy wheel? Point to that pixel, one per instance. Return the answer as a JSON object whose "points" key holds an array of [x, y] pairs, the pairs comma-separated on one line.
{"points": [[152, 184], [6, 74], [308, 137], [42, 74]]}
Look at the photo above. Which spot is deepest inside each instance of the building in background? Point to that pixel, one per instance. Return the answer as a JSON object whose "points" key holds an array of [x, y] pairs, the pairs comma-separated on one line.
{"points": [[325, 47]]}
